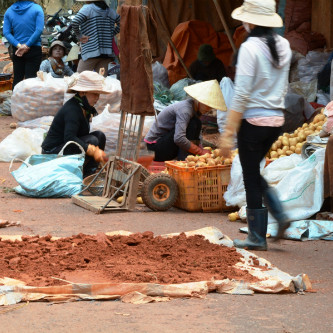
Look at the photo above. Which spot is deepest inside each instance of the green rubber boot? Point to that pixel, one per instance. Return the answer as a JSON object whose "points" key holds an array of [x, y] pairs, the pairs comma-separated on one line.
{"points": [[257, 225]]}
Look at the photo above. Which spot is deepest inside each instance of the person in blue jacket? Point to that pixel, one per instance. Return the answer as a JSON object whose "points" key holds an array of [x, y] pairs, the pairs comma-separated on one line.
{"points": [[23, 26]]}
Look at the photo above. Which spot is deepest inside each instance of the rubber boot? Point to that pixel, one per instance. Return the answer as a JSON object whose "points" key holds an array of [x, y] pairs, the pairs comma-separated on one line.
{"points": [[257, 225], [274, 206]]}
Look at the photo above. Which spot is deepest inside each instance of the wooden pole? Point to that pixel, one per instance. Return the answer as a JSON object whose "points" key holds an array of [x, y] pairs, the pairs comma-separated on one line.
{"points": [[167, 35], [226, 28]]}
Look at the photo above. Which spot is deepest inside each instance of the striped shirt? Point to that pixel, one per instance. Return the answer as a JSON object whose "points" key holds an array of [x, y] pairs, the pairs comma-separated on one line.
{"points": [[101, 25]]}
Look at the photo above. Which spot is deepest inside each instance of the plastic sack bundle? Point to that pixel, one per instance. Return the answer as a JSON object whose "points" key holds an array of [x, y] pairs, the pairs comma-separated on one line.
{"points": [[162, 94], [160, 74], [235, 194], [112, 101], [51, 175], [42, 122], [301, 190], [38, 97], [177, 89], [21, 143], [5, 102]]}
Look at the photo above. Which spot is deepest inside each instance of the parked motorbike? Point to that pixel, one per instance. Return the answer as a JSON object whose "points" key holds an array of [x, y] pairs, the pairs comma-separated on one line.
{"points": [[60, 28]]}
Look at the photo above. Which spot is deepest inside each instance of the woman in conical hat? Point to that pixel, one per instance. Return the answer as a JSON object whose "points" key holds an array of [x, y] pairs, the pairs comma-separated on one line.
{"points": [[176, 131], [71, 123], [256, 112]]}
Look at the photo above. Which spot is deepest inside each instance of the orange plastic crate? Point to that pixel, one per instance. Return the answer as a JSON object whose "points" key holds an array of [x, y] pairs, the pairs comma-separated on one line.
{"points": [[200, 189]]}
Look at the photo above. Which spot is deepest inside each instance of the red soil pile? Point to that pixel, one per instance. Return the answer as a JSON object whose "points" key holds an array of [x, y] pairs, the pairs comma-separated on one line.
{"points": [[135, 258]]}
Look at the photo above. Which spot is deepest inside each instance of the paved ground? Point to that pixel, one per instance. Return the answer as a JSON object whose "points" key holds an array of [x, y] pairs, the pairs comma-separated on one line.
{"points": [[311, 312]]}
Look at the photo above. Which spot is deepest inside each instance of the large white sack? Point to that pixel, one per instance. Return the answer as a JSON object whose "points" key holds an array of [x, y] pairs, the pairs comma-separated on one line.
{"points": [[21, 143], [301, 190], [37, 97], [109, 123], [299, 184]]}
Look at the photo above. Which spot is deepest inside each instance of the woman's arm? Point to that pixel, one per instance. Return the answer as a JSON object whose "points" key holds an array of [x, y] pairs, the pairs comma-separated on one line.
{"points": [[79, 18], [117, 26], [7, 30]]}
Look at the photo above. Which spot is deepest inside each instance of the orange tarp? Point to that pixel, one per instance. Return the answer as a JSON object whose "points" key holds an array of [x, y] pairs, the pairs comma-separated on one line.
{"points": [[188, 37]]}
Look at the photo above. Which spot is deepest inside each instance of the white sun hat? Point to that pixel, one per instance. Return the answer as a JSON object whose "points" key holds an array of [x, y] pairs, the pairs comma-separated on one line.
{"points": [[208, 93], [258, 12]]}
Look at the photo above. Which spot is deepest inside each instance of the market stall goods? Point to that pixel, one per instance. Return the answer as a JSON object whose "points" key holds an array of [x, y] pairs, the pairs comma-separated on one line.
{"points": [[213, 158], [290, 143]]}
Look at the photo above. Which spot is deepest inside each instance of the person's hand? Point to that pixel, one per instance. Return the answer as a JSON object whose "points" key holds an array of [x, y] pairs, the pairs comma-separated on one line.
{"points": [[100, 156], [196, 150], [226, 142], [22, 50], [84, 39]]}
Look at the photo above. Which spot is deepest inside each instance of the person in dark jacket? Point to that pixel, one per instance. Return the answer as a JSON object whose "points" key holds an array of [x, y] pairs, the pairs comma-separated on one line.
{"points": [[71, 123], [207, 66], [23, 25]]}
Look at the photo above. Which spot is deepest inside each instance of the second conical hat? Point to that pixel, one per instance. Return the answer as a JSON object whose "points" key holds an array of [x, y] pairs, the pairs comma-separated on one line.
{"points": [[208, 93]]}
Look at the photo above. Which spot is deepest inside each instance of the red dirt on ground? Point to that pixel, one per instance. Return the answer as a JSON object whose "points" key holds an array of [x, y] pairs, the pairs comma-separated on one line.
{"points": [[139, 257]]}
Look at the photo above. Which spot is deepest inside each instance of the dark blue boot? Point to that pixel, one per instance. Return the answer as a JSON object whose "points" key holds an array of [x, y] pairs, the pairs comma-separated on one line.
{"points": [[257, 225]]}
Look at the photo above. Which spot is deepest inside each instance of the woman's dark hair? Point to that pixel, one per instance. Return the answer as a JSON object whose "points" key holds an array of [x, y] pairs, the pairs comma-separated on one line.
{"points": [[268, 35]]}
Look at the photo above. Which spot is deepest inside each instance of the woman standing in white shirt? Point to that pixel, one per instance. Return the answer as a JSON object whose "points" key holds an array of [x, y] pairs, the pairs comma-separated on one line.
{"points": [[256, 113]]}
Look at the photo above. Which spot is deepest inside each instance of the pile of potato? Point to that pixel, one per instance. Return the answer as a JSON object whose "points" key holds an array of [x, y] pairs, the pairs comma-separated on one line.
{"points": [[290, 143], [213, 158]]}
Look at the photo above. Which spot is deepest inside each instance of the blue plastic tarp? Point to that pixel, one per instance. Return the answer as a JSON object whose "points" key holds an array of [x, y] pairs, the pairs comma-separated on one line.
{"points": [[303, 230]]}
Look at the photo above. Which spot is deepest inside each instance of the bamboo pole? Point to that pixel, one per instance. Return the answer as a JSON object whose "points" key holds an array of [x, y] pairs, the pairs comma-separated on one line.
{"points": [[226, 28]]}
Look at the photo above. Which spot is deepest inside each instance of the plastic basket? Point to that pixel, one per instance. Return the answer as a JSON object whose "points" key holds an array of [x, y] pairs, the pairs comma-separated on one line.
{"points": [[201, 189]]}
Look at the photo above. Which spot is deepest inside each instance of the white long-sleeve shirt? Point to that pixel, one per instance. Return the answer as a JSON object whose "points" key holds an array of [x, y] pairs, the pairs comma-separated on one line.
{"points": [[261, 84]]}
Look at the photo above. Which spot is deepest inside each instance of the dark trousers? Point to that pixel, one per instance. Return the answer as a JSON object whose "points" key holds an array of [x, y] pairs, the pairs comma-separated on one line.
{"points": [[96, 138], [165, 148], [27, 66], [253, 144]]}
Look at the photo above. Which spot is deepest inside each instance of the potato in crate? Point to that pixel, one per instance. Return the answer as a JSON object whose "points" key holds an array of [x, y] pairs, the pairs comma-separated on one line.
{"points": [[201, 188]]}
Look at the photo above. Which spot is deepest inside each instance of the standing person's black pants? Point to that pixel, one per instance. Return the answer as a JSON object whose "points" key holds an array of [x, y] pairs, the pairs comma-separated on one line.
{"points": [[27, 66], [253, 144], [165, 148]]}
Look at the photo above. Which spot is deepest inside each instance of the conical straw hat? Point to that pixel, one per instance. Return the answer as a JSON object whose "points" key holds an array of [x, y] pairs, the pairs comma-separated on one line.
{"points": [[73, 53], [208, 93]]}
